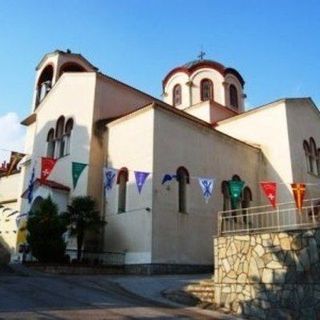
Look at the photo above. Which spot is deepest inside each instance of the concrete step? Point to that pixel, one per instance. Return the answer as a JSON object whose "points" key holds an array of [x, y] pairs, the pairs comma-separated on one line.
{"points": [[203, 290]]}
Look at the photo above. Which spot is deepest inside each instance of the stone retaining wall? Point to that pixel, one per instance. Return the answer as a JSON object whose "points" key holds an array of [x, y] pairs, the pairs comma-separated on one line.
{"points": [[270, 275]]}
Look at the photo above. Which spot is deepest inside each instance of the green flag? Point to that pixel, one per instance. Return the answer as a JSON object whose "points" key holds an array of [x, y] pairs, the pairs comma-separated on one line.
{"points": [[77, 169], [235, 190]]}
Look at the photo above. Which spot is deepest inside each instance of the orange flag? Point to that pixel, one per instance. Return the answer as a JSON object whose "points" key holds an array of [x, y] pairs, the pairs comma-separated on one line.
{"points": [[298, 190]]}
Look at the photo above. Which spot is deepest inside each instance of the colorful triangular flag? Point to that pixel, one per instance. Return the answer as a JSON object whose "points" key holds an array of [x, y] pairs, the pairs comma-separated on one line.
{"points": [[207, 185], [47, 165], [141, 178], [270, 190], [77, 168], [235, 190], [298, 190], [168, 177], [109, 177]]}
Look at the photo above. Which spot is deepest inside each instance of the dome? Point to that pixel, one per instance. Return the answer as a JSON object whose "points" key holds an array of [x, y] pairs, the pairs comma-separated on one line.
{"points": [[194, 65]]}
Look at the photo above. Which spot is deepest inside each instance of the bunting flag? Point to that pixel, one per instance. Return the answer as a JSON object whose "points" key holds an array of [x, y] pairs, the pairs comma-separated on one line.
{"points": [[206, 185], [47, 164], [77, 168], [298, 190], [168, 177], [235, 190], [30, 186], [109, 177], [141, 178], [270, 190]]}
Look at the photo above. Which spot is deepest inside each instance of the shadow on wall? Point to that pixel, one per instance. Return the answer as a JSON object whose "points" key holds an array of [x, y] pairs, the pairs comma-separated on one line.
{"points": [[4, 252]]}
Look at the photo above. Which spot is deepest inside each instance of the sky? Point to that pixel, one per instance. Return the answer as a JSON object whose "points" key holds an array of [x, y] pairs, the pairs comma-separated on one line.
{"points": [[274, 44]]}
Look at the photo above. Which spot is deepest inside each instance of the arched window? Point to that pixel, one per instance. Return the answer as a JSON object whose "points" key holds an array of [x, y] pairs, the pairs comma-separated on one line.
{"points": [[206, 89], [318, 161], [122, 180], [67, 136], [245, 202], [44, 83], [176, 96], [183, 179], [235, 177], [50, 143], [233, 96], [307, 152], [226, 195], [59, 137], [313, 151]]}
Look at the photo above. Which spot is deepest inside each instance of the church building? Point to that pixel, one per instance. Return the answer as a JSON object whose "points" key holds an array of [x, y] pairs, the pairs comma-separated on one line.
{"points": [[200, 131]]}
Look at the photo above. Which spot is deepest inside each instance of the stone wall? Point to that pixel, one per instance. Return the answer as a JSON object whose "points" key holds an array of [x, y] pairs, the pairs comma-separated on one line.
{"points": [[270, 275]]}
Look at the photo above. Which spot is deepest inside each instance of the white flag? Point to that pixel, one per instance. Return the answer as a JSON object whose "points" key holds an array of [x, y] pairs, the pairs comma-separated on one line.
{"points": [[206, 185]]}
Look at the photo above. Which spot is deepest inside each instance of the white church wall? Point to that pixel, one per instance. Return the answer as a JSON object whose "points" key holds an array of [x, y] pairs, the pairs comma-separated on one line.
{"points": [[201, 110], [130, 145], [185, 237], [113, 98], [71, 97], [266, 127], [303, 123]]}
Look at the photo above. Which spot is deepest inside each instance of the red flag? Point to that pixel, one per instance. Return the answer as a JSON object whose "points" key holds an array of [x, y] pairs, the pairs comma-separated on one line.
{"points": [[47, 165], [270, 190], [298, 190]]}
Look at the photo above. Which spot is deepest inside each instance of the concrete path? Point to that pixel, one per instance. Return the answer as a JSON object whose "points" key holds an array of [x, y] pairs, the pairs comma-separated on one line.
{"points": [[34, 295]]}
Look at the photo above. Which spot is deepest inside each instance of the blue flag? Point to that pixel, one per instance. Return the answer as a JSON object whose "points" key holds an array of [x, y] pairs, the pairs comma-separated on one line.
{"points": [[109, 177], [30, 186], [168, 177], [141, 178]]}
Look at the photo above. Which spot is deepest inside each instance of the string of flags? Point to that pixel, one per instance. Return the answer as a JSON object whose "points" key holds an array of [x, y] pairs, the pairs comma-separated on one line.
{"points": [[270, 190], [207, 184]]}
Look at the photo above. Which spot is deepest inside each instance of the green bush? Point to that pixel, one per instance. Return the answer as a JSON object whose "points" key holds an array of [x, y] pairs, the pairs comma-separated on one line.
{"points": [[45, 231]]}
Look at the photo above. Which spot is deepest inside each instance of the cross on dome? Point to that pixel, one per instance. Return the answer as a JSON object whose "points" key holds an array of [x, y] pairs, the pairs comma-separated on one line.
{"points": [[201, 55]]}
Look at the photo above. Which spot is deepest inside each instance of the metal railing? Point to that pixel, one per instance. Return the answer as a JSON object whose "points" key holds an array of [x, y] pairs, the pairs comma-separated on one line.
{"points": [[266, 218]]}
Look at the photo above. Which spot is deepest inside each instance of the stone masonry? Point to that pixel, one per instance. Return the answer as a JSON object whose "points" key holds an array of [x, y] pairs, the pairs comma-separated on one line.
{"points": [[270, 275]]}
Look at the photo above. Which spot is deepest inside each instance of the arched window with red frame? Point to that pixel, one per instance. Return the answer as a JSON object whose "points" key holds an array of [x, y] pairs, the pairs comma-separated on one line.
{"points": [[183, 179], [122, 180], [206, 89], [233, 96], [176, 95]]}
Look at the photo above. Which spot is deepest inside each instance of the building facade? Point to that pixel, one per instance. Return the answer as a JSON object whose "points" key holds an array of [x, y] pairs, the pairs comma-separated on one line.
{"points": [[200, 129]]}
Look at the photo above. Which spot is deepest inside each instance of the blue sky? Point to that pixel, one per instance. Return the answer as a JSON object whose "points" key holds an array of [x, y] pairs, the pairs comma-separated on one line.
{"points": [[274, 44]]}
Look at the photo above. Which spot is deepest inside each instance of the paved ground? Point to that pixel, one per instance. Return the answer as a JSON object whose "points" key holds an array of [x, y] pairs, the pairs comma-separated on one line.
{"points": [[32, 295]]}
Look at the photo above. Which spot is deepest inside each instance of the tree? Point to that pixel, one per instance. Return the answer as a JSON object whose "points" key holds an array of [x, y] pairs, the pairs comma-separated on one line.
{"points": [[82, 217], [45, 232]]}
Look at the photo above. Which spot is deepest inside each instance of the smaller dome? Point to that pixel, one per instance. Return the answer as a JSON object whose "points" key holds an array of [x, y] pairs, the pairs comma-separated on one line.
{"points": [[194, 65]]}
